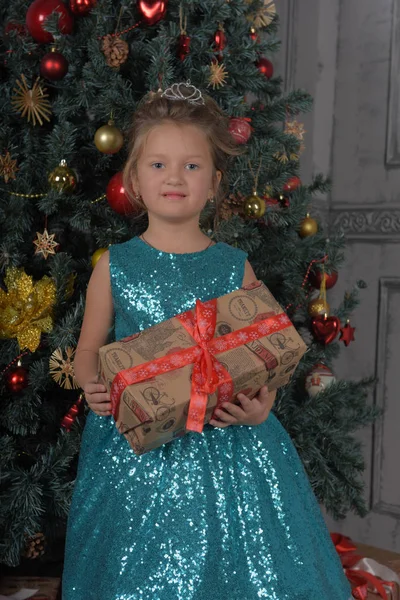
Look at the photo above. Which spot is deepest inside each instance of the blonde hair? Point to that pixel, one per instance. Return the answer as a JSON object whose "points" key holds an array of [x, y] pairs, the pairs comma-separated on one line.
{"points": [[209, 117]]}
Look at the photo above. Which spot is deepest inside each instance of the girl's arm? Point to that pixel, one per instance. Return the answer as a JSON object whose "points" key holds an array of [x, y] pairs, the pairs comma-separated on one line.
{"points": [[97, 320]]}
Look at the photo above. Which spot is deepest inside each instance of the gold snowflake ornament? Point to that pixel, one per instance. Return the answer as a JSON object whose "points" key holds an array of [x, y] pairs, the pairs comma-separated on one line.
{"points": [[45, 243], [33, 103], [62, 368], [8, 167], [218, 75], [295, 128], [264, 15]]}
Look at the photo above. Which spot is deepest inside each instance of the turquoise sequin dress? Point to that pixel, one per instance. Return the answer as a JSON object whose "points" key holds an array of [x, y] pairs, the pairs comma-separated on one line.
{"points": [[223, 515]]}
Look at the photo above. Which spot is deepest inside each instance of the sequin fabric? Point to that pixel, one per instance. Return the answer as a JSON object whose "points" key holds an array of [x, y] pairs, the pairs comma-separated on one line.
{"points": [[223, 515]]}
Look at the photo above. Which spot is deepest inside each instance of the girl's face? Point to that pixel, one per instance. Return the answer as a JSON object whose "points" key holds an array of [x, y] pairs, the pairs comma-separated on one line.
{"points": [[175, 172]]}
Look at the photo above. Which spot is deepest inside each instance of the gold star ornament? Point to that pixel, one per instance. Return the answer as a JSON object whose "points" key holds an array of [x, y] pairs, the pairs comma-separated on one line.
{"points": [[62, 368], [264, 15], [297, 129], [32, 103], [45, 243], [218, 75], [8, 167]]}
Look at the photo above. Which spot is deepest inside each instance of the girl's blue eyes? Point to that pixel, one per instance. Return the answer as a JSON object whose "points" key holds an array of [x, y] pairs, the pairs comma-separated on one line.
{"points": [[159, 165]]}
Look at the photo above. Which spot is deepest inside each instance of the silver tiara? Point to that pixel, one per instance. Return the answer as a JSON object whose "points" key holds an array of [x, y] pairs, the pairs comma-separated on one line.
{"points": [[192, 95]]}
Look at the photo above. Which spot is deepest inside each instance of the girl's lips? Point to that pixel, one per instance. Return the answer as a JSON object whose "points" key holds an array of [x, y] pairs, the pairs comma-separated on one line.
{"points": [[174, 196]]}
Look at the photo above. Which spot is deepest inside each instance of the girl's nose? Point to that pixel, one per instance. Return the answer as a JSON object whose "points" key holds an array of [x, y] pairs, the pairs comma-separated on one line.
{"points": [[174, 175]]}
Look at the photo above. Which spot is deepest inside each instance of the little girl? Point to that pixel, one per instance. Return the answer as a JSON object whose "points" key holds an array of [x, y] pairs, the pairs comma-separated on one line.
{"points": [[228, 514]]}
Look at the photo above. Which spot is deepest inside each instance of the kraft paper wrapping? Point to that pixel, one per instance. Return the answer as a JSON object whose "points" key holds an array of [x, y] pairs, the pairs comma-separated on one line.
{"points": [[154, 412]]}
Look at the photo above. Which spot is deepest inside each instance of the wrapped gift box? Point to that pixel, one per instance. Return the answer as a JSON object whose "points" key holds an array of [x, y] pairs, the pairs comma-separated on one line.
{"points": [[372, 573], [383, 558], [35, 588], [168, 379]]}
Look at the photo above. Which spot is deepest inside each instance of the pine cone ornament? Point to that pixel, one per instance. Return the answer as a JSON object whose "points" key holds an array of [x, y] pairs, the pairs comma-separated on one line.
{"points": [[232, 205], [115, 50], [35, 546]]}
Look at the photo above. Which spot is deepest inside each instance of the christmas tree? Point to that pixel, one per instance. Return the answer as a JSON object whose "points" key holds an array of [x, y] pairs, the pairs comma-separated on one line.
{"points": [[71, 76]]}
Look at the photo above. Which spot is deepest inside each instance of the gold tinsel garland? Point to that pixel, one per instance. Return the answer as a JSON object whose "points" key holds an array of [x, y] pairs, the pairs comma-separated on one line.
{"points": [[26, 308]]}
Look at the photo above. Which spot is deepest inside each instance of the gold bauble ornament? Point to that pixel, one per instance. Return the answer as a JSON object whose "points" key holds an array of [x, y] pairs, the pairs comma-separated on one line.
{"points": [[308, 226], [318, 306], [108, 138], [63, 179], [254, 206], [96, 255]]}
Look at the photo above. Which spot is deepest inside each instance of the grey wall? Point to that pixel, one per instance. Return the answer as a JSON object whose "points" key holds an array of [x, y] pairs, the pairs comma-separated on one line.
{"points": [[346, 53]]}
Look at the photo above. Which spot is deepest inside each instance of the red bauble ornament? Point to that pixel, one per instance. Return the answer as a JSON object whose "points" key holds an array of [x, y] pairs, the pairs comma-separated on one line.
{"points": [[69, 419], [240, 129], [325, 329], [81, 7], [116, 196], [38, 12], [219, 40], [254, 35], [152, 11], [16, 379], [53, 66], [183, 46], [265, 67], [292, 184], [315, 279], [347, 334]]}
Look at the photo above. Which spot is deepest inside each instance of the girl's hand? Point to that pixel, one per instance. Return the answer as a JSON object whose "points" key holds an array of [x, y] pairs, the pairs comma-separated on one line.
{"points": [[97, 398], [250, 412]]}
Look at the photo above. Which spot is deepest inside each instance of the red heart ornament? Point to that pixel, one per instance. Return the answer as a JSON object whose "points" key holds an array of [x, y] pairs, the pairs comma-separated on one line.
{"points": [[325, 329], [152, 11]]}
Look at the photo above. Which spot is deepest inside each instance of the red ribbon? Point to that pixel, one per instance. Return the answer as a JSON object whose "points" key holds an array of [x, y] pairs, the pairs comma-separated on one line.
{"points": [[208, 373], [69, 419], [346, 549]]}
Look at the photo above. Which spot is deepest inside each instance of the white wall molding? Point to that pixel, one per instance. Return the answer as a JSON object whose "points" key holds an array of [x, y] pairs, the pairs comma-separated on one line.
{"points": [[393, 110], [372, 223], [388, 286]]}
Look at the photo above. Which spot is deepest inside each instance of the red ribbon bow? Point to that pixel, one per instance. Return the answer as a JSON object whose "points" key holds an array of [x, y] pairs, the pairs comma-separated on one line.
{"points": [[346, 549], [208, 373]]}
